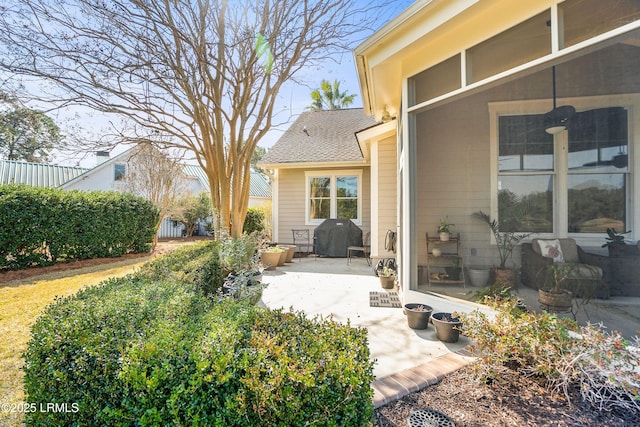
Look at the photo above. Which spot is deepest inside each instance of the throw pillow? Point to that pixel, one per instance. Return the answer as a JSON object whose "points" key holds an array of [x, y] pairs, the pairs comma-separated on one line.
{"points": [[551, 249]]}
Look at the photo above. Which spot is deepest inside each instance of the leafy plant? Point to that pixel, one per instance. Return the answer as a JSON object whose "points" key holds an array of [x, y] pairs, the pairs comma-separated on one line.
{"points": [[239, 254], [505, 240], [444, 226], [254, 221], [614, 238], [386, 271]]}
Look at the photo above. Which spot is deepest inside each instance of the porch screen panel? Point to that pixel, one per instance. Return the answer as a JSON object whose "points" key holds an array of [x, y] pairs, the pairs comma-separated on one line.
{"points": [[442, 78], [584, 19], [319, 198], [516, 46], [525, 175], [598, 170], [347, 197]]}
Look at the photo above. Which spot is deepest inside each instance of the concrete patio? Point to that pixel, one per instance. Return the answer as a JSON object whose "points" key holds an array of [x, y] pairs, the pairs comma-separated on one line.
{"points": [[406, 360]]}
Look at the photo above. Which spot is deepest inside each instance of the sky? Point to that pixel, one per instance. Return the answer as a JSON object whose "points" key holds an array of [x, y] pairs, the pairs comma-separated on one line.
{"points": [[292, 100]]}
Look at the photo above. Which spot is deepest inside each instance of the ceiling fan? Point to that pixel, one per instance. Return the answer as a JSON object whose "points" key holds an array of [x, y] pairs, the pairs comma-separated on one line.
{"points": [[556, 120]]}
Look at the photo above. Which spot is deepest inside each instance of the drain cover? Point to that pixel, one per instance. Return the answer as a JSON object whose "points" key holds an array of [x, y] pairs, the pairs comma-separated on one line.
{"points": [[428, 417]]}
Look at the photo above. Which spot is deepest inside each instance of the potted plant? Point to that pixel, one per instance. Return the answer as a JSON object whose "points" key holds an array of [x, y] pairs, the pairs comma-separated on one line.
{"points": [[506, 242], [387, 277], [418, 315], [453, 271], [270, 257], [615, 242], [554, 294], [447, 325], [444, 230]]}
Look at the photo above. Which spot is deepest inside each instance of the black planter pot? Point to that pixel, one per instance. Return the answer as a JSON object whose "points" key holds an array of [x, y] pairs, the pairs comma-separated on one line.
{"points": [[453, 273], [447, 327], [418, 315]]}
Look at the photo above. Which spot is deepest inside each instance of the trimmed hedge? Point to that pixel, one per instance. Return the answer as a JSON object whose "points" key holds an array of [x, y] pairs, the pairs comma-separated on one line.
{"points": [[154, 349], [43, 225]]}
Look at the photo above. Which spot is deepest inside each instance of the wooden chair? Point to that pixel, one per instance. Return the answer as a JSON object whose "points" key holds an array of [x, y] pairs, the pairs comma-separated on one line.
{"points": [[302, 240], [365, 248]]}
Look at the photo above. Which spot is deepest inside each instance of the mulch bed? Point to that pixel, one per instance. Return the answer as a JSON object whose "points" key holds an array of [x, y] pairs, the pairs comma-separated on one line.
{"points": [[517, 401]]}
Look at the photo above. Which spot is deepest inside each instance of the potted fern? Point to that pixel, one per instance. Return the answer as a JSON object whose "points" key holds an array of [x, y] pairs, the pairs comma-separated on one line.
{"points": [[506, 242]]}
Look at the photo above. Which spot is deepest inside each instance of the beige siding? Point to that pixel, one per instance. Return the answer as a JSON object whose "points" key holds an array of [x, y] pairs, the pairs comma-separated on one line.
{"points": [[291, 196], [384, 202], [453, 176]]}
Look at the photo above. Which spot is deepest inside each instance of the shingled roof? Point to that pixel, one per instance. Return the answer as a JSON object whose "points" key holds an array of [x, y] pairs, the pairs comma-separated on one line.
{"points": [[321, 136]]}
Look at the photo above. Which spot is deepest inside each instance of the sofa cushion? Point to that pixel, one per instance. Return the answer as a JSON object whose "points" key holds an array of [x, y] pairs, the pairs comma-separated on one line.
{"points": [[551, 249], [569, 250]]}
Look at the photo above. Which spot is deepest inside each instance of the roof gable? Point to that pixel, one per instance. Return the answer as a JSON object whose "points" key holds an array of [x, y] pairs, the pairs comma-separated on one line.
{"points": [[321, 136]]}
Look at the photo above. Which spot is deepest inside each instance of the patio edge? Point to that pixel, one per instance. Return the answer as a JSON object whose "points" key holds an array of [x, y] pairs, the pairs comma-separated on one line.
{"points": [[400, 384]]}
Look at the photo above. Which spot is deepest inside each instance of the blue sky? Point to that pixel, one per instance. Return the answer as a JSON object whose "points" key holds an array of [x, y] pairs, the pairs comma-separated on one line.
{"points": [[293, 99]]}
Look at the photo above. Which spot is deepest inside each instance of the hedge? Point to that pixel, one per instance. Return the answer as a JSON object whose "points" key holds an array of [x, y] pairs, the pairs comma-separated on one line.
{"points": [[151, 350], [42, 225]]}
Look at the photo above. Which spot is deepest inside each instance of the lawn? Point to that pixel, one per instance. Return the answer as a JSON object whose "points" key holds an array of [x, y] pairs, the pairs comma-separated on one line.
{"points": [[21, 302]]}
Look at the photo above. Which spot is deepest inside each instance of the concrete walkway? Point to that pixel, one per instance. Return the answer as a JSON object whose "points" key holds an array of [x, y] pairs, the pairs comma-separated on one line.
{"points": [[406, 360]]}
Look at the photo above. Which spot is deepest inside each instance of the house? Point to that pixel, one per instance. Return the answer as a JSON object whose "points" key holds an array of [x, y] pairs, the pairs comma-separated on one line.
{"points": [[110, 172], [334, 164], [528, 111]]}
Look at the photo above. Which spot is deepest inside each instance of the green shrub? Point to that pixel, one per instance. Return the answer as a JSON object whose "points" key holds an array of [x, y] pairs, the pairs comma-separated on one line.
{"points": [[75, 354], [197, 264], [46, 225], [254, 221], [143, 351]]}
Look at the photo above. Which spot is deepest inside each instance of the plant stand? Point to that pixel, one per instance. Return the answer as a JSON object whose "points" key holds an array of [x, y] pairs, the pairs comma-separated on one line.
{"points": [[441, 256], [556, 303]]}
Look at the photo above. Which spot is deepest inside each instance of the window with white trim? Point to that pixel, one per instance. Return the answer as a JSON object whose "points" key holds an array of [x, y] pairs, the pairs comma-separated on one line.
{"points": [[333, 194], [574, 183]]}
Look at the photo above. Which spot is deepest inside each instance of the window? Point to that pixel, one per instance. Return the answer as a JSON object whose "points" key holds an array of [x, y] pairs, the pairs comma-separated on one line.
{"points": [[543, 187], [119, 171], [333, 195]]}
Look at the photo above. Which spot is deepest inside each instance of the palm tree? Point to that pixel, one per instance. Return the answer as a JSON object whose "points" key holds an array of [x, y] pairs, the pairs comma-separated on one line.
{"points": [[329, 97]]}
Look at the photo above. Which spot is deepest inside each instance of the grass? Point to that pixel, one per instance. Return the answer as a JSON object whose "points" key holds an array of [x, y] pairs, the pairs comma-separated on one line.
{"points": [[21, 302]]}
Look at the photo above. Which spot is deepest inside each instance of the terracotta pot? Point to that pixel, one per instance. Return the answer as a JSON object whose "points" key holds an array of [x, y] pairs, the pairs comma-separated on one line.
{"points": [[418, 318], [387, 282], [269, 260], [290, 251], [447, 326], [283, 257]]}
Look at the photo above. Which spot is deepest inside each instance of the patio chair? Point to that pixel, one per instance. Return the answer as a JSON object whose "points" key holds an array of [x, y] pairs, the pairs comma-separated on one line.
{"points": [[591, 274], [302, 240], [365, 248]]}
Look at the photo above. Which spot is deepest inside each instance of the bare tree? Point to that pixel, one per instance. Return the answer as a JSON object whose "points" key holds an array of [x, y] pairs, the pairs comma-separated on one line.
{"points": [[156, 176], [204, 72]]}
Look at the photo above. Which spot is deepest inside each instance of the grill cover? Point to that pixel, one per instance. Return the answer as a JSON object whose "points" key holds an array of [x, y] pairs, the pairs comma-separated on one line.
{"points": [[333, 236]]}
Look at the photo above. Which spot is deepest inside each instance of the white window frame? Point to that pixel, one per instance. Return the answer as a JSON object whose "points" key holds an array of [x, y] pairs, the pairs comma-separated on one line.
{"points": [[121, 177], [333, 175], [629, 101]]}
